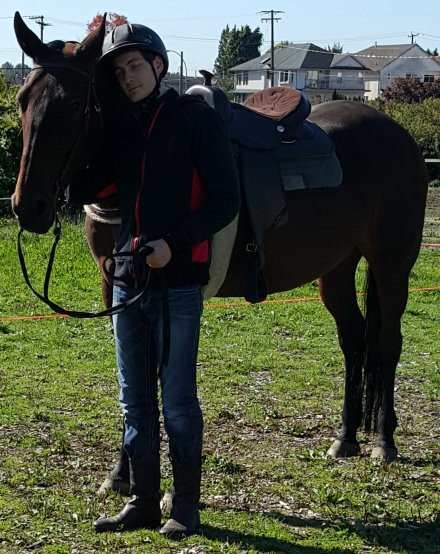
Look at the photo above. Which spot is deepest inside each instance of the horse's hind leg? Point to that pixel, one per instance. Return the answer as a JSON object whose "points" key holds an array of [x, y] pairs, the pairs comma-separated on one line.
{"points": [[391, 295], [338, 292]]}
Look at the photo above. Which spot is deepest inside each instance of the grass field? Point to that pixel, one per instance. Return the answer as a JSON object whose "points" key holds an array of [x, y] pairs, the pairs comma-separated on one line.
{"points": [[271, 385]]}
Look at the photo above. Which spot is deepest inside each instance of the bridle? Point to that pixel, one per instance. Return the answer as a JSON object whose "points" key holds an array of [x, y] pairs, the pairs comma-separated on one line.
{"points": [[92, 105]]}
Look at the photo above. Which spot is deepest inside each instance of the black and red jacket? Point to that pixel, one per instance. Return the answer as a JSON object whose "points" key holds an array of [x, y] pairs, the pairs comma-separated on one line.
{"points": [[175, 180]]}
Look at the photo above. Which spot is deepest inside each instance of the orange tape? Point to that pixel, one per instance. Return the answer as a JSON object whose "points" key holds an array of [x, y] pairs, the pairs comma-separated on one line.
{"points": [[212, 306]]}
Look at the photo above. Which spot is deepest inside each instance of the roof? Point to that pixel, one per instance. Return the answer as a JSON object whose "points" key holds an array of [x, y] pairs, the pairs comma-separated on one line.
{"points": [[311, 56], [294, 56], [377, 57], [346, 61]]}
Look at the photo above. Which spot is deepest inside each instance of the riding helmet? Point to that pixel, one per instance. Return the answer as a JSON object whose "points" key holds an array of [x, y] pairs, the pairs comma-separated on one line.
{"points": [[133, 37]]}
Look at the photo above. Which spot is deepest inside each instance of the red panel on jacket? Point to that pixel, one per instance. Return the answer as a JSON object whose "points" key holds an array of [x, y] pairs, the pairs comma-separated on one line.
{"points": [[200, 252]]}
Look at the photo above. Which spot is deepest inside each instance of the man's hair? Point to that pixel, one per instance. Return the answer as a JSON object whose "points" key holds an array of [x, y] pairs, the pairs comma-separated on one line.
{"points": [[149, 56]]}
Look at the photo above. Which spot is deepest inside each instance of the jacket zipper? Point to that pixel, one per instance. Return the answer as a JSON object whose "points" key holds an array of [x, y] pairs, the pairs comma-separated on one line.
{"points": [[143, 164]]}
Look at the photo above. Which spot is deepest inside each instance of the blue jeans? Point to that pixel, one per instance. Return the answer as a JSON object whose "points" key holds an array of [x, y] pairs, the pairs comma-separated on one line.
{"points": [[138, 334]]}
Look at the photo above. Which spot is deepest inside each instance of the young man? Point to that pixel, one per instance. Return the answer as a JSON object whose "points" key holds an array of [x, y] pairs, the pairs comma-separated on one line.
{"points": [[176, 186]]}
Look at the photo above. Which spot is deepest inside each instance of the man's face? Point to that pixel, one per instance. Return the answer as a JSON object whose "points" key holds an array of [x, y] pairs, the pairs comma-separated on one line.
{"points": [[135, 75]]}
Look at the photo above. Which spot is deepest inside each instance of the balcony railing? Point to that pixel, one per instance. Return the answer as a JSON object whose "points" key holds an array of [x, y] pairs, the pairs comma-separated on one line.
{"points": [[351, 84]]}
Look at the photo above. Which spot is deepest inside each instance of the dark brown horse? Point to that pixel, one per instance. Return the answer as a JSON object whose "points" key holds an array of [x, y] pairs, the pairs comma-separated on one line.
{"points": [[377, 214]]}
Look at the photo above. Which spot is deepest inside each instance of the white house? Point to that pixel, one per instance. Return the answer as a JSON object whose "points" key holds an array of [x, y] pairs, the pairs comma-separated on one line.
{"points": [[383, 64], [319, 74]]}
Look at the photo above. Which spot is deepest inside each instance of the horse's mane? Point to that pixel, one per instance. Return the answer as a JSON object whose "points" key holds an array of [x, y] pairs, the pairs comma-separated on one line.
{"points": [[60, 49]]}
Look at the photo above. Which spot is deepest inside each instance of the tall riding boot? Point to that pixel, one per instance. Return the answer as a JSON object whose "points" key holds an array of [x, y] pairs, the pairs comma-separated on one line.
{"points": [[184, 517], [118, 479], [143, 510]]}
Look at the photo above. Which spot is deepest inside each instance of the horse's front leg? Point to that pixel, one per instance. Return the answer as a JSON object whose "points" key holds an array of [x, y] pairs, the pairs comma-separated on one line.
{"points": [[101, 238]]}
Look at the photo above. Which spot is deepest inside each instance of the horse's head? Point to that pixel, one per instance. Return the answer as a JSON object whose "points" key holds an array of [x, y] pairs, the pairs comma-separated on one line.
{"points": [[56, 103]]}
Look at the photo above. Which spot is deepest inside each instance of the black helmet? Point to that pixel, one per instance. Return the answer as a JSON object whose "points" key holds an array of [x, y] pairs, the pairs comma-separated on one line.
{"points": [[133, 37]]}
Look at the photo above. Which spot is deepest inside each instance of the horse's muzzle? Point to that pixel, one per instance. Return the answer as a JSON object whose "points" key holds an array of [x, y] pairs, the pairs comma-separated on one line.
{"points": [[35, 212]]}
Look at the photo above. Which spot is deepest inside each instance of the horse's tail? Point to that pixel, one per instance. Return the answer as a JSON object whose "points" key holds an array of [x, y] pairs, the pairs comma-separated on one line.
{"points": [[373, 378]]}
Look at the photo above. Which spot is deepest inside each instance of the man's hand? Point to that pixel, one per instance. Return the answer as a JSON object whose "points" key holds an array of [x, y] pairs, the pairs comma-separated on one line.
{"points": [[161, 255]]}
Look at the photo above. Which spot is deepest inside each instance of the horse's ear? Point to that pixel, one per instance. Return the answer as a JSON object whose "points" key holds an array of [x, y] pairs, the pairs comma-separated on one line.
{"points": [[31, 45], [91, 46]]}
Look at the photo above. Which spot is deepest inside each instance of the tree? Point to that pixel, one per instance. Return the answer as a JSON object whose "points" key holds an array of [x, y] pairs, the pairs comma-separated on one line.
{"points": [[113, 20], [336, 48], [7, 70], [281, 44], [236, 46], [433, 53], [411, 90]]}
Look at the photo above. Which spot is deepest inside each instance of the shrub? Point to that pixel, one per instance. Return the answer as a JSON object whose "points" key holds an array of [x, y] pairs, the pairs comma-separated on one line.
{"points": [[422, 121], [10, 139]]}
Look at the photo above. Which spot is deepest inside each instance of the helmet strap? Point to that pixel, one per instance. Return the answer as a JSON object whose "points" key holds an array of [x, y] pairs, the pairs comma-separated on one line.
{"points": [[155, 92]]}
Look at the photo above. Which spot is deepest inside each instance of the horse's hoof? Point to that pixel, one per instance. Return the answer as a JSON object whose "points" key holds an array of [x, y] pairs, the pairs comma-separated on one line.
{"points": [[166, 504], [386, 454], [117, 485], [343, 449]]}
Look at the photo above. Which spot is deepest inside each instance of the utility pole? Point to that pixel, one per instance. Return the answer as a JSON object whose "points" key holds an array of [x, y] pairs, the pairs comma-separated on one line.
{"points": [[272, 41], [39, 20], [412, 35], [181, 91]]}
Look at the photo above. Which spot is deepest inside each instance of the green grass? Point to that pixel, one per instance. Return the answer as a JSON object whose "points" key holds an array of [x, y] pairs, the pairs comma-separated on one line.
{"points": [[271, 385]]}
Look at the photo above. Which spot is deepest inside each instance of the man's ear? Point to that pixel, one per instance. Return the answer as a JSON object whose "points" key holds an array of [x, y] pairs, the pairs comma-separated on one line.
{"points": [[158, 64]]}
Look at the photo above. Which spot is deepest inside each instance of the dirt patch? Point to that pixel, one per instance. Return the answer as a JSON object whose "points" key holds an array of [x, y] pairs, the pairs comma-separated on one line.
{"points": [[431, 230]]}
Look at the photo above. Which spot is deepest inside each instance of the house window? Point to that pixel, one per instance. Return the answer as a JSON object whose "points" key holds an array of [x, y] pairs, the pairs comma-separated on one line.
{"points": [[339, 77], [284, 76], [360, 77], [428, 78], [245, 77], [409, 75], [238, 78], [388, 75]]}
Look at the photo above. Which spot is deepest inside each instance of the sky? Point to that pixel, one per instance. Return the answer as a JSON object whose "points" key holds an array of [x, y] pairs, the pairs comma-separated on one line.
{"points": [[194, 26]]}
